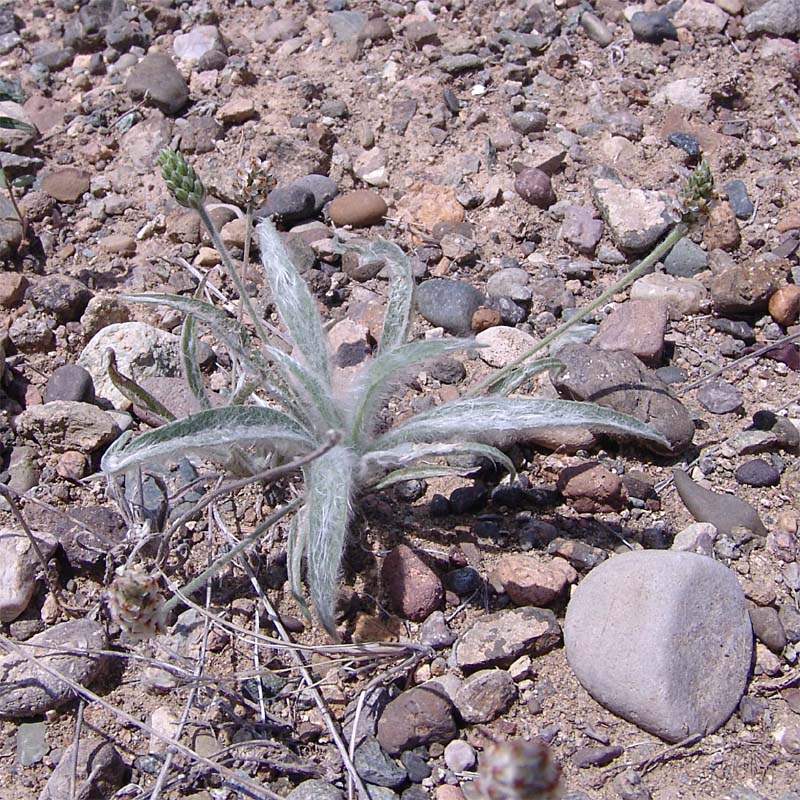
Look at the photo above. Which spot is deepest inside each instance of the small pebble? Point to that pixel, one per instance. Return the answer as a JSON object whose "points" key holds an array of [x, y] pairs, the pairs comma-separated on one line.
{"points": [[652, 26], [738, 199], [459, 756], [758, 472], [686, 142], [360, 209]]}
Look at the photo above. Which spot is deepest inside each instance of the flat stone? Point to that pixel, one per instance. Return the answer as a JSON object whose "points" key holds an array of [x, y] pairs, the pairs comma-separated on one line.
{"points": [[359, 209], [67, 425], [636, 218], [738, 199], [496, 640], [683, 296], [322, 188], [288, 203], [29, 690], [767, 627], [142, 351], [413, 587], [582, 229], [19, 565], [686, 92], [758, 472], [529, 581], [720, 397], [510, 282], [198, 42], [426, 204], [725, 512], [417, 717], [638, 326], [662, 639], [100, 771], [449, 304], [237, 110], [768, 432], [157, 79], [65, 184], [502, 344], [375, 767], [620, 381], [485, 695]]}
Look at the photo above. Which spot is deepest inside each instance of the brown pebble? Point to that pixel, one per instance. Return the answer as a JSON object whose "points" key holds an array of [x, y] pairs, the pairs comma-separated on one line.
{"points": [[485, 318], [118, 243], [414, 589], [359, 209], [533, 186], [722, 230], [784, 305]]}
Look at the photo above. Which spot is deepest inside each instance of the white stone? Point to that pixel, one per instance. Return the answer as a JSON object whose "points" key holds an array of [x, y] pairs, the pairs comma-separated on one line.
{"points": [[686, 92], [700, 17], [142, 352], [194, 45], [683, 296], [503, 344], [18, 567]]}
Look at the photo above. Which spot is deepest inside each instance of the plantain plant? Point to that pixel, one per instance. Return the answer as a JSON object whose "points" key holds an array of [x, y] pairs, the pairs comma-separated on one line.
{"points": [[295, 406]]}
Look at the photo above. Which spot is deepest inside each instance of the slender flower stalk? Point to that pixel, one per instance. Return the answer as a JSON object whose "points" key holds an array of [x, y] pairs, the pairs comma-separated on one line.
{"points": [[188, 190], [697, 194]]}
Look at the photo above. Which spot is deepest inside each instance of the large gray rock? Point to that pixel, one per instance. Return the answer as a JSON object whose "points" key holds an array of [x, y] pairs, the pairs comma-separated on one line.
{"points": [[620, 381], [156, 79], [142, 352], [29, 690], [18, 567], [778, 17], [662, 639]]}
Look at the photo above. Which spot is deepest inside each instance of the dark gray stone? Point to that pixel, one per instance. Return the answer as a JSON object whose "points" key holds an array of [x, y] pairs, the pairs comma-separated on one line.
{"points": [[374, 766], [62, 296], [686, 142], [590, 756], [288, 203], [526, 122], [758, 472], [767, 627], [69, 382], [100, 771], [662, 639], [652, 26], [725, 512], [485, 695], [686, 259], [738, 199], [449, 304], [315, 789], [323, 188]]}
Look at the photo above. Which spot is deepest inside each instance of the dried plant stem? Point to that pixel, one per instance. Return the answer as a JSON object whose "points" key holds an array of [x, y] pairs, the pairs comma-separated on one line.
{"points": [[319, 700], [207, 574], [244, 299], [675, 235], [233, 778]]}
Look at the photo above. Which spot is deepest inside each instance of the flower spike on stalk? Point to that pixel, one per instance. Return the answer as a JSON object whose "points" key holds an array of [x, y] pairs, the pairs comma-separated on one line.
{"points": [[182, 180], [699, 189], [253, 180]]}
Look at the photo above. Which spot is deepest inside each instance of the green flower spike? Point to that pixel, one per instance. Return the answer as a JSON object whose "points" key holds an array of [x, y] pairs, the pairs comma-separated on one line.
{"points": [[182, 180], [699, 189]]}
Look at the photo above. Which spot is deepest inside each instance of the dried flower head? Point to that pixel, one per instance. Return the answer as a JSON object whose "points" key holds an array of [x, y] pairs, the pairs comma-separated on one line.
{"points": [[520, 770], [135, 602], [253, 180], [699, 189], [182, 180]]}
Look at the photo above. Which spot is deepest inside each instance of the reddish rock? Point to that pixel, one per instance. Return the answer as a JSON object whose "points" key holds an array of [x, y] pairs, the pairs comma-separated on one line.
{"points": [[530, 582], [416, 717], [591, 487], [637, 326], [414, 589], [534, 187], [12, 288], [784, 305]]}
